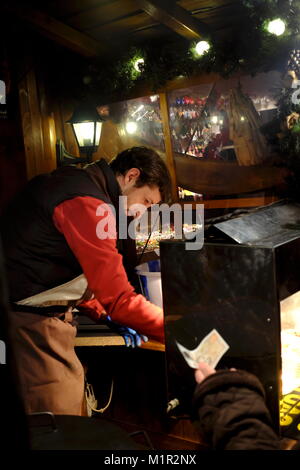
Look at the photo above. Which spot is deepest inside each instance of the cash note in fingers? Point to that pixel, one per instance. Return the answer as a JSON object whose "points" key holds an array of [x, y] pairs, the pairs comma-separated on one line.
{"points": [[210, 350]]}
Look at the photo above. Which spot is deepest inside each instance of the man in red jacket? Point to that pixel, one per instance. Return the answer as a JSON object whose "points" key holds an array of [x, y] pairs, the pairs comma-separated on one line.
{"points": [[61, 244]]}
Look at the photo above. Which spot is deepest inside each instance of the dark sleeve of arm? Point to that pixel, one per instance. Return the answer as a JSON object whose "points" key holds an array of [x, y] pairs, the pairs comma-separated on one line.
{"points": [[231, 412], [80, 221]]}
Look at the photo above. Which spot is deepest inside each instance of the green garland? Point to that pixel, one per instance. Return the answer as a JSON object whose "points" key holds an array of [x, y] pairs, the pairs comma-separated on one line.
{"points": [[248, 49]]}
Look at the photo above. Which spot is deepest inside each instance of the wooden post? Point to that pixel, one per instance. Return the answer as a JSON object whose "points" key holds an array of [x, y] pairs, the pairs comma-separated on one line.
{"points": [[168, 143], [31, 124], [38, 126], [48, 127]]}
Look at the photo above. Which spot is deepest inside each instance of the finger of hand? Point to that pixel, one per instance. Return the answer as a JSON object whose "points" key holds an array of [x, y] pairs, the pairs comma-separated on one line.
{"points": [[199, 377], [206, 369], [131, 331], [133, 340]]}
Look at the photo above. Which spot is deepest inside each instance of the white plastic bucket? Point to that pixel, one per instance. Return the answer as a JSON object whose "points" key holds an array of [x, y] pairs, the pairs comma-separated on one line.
{"points": [[150, 281]]}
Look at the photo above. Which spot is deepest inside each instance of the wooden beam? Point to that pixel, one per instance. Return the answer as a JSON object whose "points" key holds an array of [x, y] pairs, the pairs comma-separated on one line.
{"points": [[234, 202], [176, 18], [144, 88], [224, 178], [58, 31]]}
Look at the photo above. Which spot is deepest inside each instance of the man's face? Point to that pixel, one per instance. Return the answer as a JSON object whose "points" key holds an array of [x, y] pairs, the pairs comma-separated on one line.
{"points": [[138, 199]]}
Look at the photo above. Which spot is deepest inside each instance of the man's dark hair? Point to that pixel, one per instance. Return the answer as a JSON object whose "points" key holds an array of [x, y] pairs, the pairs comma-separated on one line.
{"points": [[153, 169]]}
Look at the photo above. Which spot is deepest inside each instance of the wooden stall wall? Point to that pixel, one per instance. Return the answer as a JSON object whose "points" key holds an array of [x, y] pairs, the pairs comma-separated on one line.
{"points": [[43, 122]]}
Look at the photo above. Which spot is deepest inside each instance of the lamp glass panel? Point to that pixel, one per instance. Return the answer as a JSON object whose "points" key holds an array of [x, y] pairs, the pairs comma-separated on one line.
{"points": [[85, 133], [98, 133]]}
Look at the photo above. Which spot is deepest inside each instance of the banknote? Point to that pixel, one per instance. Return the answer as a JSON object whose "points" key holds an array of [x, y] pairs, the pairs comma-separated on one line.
{"points": [[209, 350]]}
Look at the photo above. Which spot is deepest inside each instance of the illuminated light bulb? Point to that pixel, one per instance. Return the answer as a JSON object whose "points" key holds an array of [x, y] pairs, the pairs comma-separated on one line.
{"points": [[131, 127], [202, 47], [214, 119], [137, 64], [276, 27], [242, 118]]}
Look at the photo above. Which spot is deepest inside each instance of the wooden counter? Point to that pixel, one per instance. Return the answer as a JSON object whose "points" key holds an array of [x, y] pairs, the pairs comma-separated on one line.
{"points": [[154, 346], [109, 338], [97, 339]]}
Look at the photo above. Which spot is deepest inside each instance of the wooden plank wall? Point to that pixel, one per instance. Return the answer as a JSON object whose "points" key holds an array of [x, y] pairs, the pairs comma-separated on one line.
{"points": [[36, 160], [43, 121]]}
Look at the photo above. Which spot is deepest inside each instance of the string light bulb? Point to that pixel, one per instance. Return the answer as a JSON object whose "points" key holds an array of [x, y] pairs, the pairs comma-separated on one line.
{"points": [[138, 63], [202, 47], [131, 127], [276, 27]]}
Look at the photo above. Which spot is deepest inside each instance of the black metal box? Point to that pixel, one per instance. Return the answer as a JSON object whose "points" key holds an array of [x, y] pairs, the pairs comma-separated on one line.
{"points": [[238, 287]]}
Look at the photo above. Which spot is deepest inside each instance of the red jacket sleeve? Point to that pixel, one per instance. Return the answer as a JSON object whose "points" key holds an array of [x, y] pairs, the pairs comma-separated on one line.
{"points": [[92, 308], [80, 220]]}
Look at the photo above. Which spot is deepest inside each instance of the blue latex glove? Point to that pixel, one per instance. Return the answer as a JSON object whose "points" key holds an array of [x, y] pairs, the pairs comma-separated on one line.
{"points": [[131, 337]]}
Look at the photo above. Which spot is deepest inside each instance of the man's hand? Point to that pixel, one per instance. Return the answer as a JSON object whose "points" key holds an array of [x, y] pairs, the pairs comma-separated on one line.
{"points": [[203, 371], [131, 337]]}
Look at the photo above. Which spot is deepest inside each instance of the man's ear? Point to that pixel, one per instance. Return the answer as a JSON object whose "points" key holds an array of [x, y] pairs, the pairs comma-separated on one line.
{"points": [[132, 175]]}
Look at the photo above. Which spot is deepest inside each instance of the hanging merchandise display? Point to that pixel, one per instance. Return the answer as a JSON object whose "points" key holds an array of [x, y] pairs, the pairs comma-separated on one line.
{"points": [[199, 124]]}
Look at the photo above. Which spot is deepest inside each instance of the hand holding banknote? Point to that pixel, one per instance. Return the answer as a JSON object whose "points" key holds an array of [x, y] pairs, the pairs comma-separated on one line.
{"points": [[203, 371], [210, 350]]}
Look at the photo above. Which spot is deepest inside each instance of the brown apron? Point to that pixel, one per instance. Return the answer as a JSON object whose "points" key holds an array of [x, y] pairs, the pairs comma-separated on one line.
{"points": [[51, 375]]}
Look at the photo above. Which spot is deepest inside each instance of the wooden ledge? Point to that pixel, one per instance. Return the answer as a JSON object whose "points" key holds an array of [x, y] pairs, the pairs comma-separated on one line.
{"points": [[154, 346], [94, 338]]}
